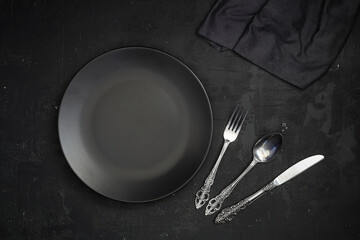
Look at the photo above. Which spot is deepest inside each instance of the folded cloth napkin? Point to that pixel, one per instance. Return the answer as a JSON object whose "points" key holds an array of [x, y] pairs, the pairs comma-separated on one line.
{"points": [[296, 40]]}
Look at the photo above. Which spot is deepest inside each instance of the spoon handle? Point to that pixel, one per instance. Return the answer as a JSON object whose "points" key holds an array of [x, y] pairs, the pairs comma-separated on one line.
{"points": [[215, 204], [202, 196], [227, 214]]}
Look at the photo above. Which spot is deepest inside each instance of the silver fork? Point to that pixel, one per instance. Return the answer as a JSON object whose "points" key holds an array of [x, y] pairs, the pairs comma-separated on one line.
{"points": [[231, 132]]}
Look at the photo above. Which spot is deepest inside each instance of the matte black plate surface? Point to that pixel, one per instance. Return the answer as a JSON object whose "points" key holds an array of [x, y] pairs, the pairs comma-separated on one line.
{"points": [[135, 124]]}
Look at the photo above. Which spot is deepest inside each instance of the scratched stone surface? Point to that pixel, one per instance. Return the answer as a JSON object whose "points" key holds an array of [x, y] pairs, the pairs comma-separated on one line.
{"points": [[44, 43]]}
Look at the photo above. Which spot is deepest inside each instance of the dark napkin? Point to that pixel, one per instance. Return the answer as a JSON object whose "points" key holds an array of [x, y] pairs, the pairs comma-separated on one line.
{"points": [[296, 40]]}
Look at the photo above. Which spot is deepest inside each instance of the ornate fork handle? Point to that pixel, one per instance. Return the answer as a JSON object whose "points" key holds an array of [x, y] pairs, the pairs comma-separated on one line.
{"points": [[202, 196], [216, 203], [227, 214]]}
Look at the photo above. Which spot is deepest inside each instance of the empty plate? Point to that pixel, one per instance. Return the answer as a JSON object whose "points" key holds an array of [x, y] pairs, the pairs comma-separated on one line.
{"points": [[135, 124]]}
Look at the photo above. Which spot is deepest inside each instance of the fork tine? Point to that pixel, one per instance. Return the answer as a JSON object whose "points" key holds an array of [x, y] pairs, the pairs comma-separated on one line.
{"points": [[236, 118], [232, 117], [239, 124], [239, 121]]}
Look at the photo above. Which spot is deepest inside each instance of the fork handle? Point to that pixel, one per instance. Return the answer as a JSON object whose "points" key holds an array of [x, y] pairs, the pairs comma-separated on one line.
{"points": [[202, 196]]}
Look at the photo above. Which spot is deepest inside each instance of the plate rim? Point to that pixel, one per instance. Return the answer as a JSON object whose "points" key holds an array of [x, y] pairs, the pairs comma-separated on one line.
{"points": [[61, 106]]}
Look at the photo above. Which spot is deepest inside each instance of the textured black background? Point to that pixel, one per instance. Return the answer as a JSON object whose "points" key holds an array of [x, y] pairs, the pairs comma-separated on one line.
{"points": [[44, 43]]}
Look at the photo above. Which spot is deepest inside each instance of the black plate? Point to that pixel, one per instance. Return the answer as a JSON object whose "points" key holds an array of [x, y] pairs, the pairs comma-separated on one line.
{"points": [[135, 124]]}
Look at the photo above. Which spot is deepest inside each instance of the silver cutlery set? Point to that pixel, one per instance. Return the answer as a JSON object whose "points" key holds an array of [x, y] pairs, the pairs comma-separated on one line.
{"points": [[264, 151]]}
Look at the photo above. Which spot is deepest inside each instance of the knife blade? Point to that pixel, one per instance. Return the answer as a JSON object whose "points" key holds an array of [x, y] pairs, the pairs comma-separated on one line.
{"points": [[297, 168], [227, 214]]}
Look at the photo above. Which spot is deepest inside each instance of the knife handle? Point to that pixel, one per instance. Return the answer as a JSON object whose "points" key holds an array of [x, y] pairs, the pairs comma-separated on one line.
{"points": [[227, 214]]}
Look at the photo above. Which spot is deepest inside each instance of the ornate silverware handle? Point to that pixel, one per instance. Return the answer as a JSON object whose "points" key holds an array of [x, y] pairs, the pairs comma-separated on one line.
{"points": [[227, 214], [216, 203], [202, 196]]}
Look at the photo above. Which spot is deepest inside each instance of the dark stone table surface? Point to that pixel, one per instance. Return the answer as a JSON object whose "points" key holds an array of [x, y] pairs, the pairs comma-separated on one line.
{"points": [[44, 43]]}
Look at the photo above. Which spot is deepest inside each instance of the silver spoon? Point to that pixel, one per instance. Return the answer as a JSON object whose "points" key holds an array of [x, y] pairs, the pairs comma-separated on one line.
{"points": [[264, 151]]}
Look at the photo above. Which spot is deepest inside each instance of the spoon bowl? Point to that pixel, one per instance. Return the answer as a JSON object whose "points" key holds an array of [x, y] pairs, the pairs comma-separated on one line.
{"points": [[266, 148]]}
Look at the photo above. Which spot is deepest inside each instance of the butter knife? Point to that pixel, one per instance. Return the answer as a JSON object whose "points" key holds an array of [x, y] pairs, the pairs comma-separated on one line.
{"points": [[227, 214]]}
